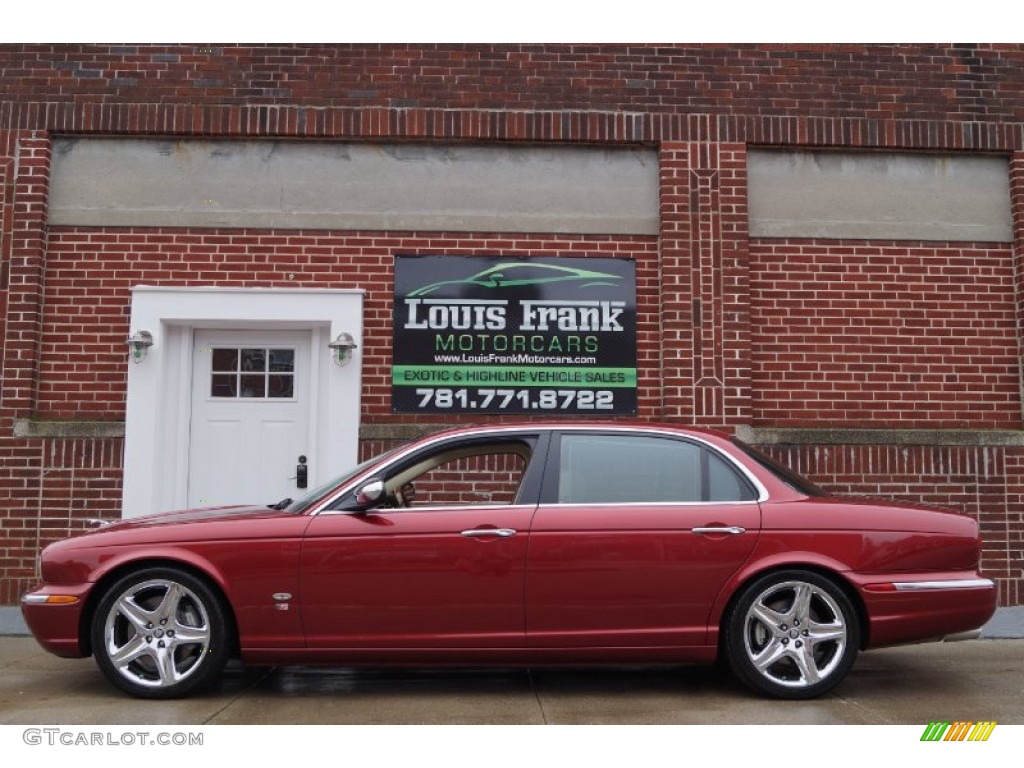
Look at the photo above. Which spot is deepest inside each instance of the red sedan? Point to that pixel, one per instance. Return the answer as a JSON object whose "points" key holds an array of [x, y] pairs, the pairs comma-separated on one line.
{"points": [[529, 544]]}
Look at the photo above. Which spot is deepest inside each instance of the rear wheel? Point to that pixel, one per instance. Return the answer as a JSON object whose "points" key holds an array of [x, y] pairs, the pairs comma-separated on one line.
{"points": [[160, 633], [792, 635]]}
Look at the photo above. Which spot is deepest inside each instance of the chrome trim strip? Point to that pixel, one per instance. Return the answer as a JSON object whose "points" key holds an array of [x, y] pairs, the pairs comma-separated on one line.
{"points": [[418, 510], [762, 492], [586, 505], [914, 586]]}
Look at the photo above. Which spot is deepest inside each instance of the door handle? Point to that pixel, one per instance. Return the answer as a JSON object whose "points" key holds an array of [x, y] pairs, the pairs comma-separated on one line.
{"points": [[479, 532], [301, 473], [732, 530]]}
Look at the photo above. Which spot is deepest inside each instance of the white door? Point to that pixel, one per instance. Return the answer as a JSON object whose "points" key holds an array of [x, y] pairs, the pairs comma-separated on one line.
{"points": [[250, 421]]}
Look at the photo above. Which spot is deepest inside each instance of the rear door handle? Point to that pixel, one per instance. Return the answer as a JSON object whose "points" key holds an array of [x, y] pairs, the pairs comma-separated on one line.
{"points": [[733, 530], [480, 532]]}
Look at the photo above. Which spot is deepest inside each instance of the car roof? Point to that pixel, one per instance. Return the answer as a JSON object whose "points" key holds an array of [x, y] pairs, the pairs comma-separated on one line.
{"points": [[579, 425]]}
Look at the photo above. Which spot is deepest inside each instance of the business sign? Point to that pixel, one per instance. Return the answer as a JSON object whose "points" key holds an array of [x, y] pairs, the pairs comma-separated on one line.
{"points": [[488, 334]]}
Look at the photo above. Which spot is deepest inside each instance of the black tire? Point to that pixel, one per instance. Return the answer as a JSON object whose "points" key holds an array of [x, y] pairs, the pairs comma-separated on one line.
{"points": [[791, 635], [160, 633]]}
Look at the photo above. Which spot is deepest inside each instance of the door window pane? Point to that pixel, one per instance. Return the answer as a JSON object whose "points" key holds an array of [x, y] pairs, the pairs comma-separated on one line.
{"points": [[609, 469], [253, 386], [481, 474], [254, 359], [252, 373], [224, 386], [282, 360], [281, 385], [601, 469], [225, 360], [725, 483]]}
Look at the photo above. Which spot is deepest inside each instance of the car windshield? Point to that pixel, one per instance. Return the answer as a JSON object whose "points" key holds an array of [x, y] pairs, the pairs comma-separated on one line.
{"points": [[782, 472], [297, 505]]}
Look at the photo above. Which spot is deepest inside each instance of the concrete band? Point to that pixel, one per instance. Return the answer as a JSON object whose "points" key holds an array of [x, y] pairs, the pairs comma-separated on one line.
{"points": [[270, 184], [878, 195]]}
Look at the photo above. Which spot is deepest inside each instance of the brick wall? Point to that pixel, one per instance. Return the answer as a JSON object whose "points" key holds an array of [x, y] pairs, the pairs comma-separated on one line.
{"points": [[773, 333], [89, 275], [901, 335], [50, 489], [884, 82]]}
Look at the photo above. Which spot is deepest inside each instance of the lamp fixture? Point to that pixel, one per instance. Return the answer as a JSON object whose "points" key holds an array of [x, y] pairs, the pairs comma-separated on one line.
{"points": [[138, 345], [342, 348]]}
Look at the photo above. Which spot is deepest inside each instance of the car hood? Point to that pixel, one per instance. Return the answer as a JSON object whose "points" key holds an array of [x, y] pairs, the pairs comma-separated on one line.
{"points": [[206, 514], [215, 523]]}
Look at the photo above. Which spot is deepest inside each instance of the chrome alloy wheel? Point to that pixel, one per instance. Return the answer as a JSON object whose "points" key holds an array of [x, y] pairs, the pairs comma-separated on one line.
{"points": [[156, 633], [792, 634], [795, 634]]}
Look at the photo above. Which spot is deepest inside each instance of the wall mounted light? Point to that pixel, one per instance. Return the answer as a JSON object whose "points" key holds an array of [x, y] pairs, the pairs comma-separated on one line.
{"points": [[341, 349], [138, 345]]}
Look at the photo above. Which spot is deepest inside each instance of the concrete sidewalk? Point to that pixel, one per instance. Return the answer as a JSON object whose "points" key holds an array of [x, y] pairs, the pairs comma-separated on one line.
{"points": [[980, 679], [910, 685], [1008, 623]]}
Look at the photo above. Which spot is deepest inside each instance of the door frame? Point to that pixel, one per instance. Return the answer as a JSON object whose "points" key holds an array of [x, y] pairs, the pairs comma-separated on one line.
{"points": [[158, 410]]}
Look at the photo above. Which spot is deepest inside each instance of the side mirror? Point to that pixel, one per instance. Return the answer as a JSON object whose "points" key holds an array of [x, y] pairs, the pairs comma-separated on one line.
{"points": [[370, 493]]}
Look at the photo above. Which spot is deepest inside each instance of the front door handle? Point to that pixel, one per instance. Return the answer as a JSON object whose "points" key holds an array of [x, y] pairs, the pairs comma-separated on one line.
{"points": [[479, 532], [733, 530], [301, 473]]}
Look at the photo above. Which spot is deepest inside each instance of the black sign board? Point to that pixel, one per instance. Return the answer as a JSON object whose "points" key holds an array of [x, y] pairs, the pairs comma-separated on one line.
{"points": [[489, 334]]}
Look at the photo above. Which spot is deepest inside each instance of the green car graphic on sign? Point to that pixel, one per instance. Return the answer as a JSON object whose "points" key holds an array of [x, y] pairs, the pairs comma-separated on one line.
{"points": [[522, 273]]}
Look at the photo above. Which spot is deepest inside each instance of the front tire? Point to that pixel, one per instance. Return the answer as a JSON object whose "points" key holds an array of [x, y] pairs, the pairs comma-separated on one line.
{"points": [[160, 633], [792, 635]]}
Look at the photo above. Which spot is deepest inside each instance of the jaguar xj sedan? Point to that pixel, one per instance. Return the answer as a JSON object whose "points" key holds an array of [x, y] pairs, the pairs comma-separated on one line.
{"points": [[549, 544]]}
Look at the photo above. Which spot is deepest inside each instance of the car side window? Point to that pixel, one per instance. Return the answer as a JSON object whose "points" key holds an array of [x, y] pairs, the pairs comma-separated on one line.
{"points": [[481, 474], [596, 469], [724, 482]]}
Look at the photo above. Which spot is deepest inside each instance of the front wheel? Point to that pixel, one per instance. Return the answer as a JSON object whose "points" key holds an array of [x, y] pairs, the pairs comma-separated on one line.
{"points": [[160, 633], [792, 635]]}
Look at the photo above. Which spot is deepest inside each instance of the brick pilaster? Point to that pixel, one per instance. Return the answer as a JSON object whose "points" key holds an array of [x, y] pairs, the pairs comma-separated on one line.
{"points": [[705, 336], [25, 279]]}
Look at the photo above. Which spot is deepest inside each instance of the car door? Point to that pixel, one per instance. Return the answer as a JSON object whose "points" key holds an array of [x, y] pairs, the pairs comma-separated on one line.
{"points": [[633, 540], [437, 562]]}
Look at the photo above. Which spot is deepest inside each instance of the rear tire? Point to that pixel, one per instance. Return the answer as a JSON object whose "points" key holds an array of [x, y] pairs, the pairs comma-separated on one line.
{"points": [[160, 633], [792, 635]]}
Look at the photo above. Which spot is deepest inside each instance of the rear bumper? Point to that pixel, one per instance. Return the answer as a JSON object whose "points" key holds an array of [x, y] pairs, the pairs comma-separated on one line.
{"points": [[936, 607]]}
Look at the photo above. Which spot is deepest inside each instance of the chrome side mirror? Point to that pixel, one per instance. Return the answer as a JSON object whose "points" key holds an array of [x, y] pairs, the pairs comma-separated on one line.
{"points": [[370, 493]]}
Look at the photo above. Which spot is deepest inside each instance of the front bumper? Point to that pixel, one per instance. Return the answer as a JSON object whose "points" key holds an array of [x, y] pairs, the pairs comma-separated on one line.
{"points": [[56, 625]]}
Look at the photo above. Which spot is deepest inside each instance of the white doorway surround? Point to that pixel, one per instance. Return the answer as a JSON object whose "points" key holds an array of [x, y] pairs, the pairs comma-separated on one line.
{"points": [[177, 431]]}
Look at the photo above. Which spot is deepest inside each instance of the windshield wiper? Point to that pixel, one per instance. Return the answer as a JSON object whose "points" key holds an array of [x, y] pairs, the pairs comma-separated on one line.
{"points": [[282, 504]]}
